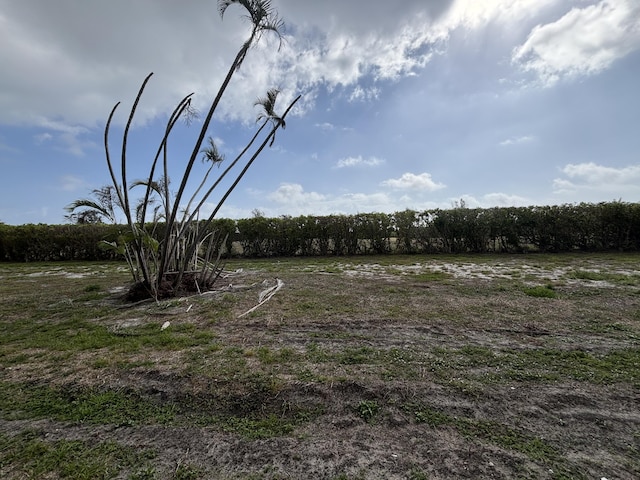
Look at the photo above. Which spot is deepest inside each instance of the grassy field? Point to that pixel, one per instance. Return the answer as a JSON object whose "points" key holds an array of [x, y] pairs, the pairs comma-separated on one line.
{"points": [[407, 367]]}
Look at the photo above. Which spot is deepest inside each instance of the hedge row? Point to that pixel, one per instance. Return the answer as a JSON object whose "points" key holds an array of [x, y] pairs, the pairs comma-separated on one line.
{"points": [[564, 228], [32, 243]]}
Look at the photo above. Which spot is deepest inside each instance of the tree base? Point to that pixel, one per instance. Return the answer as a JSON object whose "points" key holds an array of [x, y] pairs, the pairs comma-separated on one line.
{"points": [[189, 285]]}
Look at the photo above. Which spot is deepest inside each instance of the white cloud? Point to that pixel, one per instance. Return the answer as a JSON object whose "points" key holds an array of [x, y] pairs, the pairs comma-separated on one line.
{"points": [[358, 161], [488, 200], [411, 181], [503, 200], [598, 178], [293, 193], [67, 138], [473, 14], [562, 186], [99, 56], [360, 94], [292, 199], [584, 41], [227, 211], [594, 174], [516, 140]]}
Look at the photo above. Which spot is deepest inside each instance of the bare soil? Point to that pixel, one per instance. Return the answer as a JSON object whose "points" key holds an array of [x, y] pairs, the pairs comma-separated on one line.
{"points": [[388, 368]]}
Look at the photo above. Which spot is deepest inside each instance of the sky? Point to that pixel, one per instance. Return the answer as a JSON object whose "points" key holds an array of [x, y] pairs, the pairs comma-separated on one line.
{"points": [[405, 105]]}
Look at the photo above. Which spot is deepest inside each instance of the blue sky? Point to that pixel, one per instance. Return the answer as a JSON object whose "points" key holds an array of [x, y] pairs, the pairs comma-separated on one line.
{"points": [[496, 102]]}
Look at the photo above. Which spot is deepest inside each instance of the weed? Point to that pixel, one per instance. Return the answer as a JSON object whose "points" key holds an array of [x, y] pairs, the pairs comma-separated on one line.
{"points": [[75, 333], [332, 269], [536, 365], [430, 416], [306, 375], [367, 410], [357, 476], [101, 363]]}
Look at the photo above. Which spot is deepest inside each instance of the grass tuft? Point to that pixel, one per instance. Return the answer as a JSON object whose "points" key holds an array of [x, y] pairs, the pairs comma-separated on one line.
{"points": [[541, 291]]}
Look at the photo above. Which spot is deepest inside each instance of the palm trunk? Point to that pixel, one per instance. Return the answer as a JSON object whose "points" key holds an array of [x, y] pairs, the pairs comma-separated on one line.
{"points": [[169, 250]]}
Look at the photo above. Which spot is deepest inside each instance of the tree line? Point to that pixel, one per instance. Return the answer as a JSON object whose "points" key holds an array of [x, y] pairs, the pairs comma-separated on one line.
{"points": [[563, 228]]}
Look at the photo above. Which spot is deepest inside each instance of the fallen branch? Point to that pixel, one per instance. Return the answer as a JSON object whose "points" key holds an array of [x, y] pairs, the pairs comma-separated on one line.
{"points": [[265, 296]]}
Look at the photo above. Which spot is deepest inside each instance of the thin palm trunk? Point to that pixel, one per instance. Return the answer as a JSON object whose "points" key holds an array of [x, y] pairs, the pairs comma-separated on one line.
{"points": [[265, 142], [173, 119], [168, 252]]}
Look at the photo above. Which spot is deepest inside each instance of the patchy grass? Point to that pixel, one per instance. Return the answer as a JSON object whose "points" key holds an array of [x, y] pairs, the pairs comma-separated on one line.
{"points": [[485, 365], [29, 455], [81, 405], [612, 277], [499, 435], [368, 367]]}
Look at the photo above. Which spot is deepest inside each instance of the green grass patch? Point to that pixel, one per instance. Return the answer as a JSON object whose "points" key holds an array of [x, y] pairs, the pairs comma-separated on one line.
{"points": [[269, 356], [541, 291], [316, 354], [187, 472], [597, 276], [498, 434], [81, 405], [367, 410], [256, 416], [616, 366], [537, 365], [74, 334], [258, 428], [357, 356], [28, 455]]}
